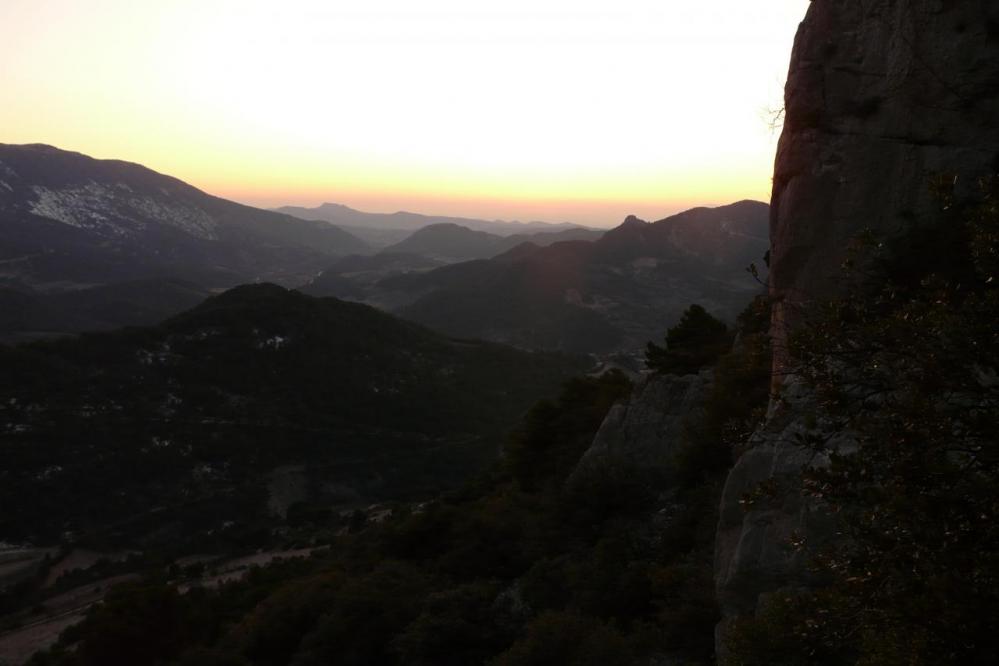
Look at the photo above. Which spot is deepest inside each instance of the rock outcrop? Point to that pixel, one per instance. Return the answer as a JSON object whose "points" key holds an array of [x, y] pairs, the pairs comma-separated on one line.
{"points": [[645, 431], [753, 554], [883, 98]]}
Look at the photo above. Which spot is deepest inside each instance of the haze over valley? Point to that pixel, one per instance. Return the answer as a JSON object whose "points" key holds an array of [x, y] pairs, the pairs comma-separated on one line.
{"points": [[518, 333], [94, 245]]}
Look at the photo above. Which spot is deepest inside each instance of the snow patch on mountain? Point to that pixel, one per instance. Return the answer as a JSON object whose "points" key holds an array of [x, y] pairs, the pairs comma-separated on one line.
{"points": [[7, 174], [118, 210]]}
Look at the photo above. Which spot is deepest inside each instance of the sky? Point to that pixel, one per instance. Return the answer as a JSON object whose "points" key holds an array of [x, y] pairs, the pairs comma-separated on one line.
{"points": [[560, 110]]}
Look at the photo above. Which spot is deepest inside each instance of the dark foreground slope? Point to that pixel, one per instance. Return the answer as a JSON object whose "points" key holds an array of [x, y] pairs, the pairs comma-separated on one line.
{"points": [[543, 561], [26, 314], [179, 428]]}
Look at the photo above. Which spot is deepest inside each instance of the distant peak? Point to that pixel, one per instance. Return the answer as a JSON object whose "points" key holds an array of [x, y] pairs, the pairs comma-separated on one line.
{"points": [[42, 148], [443, 225], [252, 291], [633, 221]]}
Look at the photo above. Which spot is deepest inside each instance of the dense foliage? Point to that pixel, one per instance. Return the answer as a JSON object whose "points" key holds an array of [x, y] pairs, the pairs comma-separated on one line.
{"points": [[737, 401], [904, 374], [696, 342], [174, 430], [521, 566]]}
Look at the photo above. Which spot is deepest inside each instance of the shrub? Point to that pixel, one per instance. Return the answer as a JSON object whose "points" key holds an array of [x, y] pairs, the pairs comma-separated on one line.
{"points": [[693, 344]]}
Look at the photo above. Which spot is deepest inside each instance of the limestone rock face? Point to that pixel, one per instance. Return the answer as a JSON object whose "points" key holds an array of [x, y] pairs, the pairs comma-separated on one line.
{"points": [[882, 97], [645, 430], [753, 557]]}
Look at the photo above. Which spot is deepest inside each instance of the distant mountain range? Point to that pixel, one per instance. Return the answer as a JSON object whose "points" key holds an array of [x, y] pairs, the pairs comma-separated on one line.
{"points": [[67, 221], [170, 432], [383, 229], [134, 246], [91, 244], [608, 295], [451, 242]]}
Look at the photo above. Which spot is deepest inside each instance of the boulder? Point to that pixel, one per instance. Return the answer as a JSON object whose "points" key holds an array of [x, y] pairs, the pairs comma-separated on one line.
{"points": [[644, 431]]}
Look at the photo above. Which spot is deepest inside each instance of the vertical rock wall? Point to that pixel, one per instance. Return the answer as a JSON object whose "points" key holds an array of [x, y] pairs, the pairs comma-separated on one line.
{"points": [[883, 97]]}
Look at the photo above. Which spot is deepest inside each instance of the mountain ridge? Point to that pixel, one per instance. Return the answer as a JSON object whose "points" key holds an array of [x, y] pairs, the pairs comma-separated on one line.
{"points": [[452, 242], [67, 218], [612, 294], [249, 380], [342, 215]]}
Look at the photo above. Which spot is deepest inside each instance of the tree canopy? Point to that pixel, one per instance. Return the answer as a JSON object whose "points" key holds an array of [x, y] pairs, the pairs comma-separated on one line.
{"points": [[696, 342]]}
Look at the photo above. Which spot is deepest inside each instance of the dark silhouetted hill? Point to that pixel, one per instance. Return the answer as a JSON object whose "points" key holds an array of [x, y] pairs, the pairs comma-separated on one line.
{"points": [[27, 314], [173, 430], [612, 294], [344, 216], [451, 242]]}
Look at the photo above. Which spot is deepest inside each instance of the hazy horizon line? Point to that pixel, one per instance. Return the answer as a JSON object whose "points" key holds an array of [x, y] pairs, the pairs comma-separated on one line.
{"points": [[460, 209]]}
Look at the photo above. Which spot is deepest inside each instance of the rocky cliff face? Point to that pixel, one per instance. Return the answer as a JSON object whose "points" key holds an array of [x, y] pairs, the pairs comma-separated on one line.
{"points": [[753, 558], [883, 98], [645, 431]]}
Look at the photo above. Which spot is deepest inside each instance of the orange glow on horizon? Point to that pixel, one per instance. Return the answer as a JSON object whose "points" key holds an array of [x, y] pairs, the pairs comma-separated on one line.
{"points": [[581, 110], [604, 208]]}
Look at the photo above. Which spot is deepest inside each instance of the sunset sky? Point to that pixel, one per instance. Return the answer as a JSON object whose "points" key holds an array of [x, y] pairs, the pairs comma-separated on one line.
{"points": [[581, 110]]}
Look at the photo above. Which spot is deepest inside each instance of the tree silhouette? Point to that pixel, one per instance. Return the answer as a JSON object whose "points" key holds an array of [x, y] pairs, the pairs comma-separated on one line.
{"points": [[697, 341]]}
